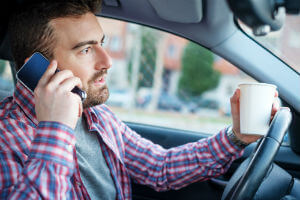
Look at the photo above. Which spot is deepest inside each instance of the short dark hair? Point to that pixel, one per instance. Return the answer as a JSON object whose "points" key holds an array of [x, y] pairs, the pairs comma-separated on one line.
{"points": [[30, 30]]}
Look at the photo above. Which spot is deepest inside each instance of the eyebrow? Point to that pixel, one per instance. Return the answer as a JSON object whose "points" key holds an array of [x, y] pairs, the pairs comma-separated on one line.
{"points": [[80, 44]]}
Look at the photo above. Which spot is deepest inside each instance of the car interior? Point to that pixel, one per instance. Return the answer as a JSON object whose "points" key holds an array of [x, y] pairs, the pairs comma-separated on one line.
{"points": [[268, 169]]}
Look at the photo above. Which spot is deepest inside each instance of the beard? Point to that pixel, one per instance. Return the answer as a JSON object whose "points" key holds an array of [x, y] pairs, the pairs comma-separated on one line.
{"points": [[96, 96]]}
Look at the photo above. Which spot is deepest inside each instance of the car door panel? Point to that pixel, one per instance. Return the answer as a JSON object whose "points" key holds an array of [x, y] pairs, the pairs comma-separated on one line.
{"points": [[211, 189], [168, 138]]}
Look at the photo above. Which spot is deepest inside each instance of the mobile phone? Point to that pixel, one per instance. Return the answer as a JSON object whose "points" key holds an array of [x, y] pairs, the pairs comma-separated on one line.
{"points": [[32, 71]]}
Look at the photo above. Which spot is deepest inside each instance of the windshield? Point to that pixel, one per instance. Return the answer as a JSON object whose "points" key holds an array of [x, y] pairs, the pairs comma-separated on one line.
{"points": [[284, 43]]}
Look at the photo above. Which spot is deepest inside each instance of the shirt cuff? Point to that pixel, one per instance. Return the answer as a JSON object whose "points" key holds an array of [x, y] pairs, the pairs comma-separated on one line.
{"points": [[222, 147], [53, 142]]}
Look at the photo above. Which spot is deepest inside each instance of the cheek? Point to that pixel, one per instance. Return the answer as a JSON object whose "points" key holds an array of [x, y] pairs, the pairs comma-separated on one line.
{"points": [[84, 75], [80, 68]]}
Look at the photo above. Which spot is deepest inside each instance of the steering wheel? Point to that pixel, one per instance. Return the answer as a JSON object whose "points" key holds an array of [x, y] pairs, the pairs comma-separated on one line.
{"points": [[247, 178]]}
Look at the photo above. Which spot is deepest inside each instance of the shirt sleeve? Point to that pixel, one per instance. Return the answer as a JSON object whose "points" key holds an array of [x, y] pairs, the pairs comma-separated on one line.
{"points": [[174, 168], [47, 172]]}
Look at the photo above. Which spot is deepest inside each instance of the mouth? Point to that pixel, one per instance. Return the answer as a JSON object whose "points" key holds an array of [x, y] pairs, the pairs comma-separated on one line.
{"points": [[100, 80]]}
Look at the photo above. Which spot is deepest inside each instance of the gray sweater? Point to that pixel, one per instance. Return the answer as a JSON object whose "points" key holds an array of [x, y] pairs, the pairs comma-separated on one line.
{"points": [[94, 171]]}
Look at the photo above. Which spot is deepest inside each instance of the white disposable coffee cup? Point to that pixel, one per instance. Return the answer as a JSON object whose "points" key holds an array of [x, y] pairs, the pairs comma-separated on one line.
{"points": [[256, 100]]}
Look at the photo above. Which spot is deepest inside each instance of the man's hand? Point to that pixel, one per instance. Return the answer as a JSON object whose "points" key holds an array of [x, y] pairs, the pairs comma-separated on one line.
{"points": [[235, 112], [54, 100]]}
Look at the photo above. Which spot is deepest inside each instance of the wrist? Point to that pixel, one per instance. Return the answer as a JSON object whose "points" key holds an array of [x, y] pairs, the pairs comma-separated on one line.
{"points": [[234, 139]]}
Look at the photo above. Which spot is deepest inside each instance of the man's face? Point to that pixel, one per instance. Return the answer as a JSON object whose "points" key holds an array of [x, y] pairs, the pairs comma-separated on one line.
{"points": [[79, 49]]}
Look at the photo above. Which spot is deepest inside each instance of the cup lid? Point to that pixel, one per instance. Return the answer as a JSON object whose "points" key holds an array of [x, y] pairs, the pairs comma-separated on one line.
{"points": [[259, 84]]}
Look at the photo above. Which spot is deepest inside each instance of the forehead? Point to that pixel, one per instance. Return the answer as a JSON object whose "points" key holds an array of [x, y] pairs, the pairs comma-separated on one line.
{"points": [[70, 30]]}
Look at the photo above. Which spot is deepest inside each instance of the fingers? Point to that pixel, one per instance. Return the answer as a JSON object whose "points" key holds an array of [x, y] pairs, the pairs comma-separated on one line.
{"points": [[276, 93], [275, 106], [62, 80], [54, 99], [235, 102], [59, 77], [69, 83], [48, 74], [236, 96], [235, 110]]}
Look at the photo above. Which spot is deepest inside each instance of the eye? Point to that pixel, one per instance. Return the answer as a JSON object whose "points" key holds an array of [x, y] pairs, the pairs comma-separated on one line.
{"points": [[103, 41], [85, 50]]}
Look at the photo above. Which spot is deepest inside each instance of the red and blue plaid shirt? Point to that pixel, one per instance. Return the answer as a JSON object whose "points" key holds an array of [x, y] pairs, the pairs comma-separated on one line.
{"points": [[38, 159]]}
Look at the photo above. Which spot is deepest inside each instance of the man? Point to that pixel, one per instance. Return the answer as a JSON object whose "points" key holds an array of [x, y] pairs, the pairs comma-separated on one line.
{"points": [[55, 147]]}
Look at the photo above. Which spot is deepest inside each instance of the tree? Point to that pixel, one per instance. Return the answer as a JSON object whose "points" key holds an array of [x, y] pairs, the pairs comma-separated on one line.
{"points": [[197, 74], [148, 56]]}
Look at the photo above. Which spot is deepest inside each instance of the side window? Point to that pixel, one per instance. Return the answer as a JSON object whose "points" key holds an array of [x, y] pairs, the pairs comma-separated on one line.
{"points": [[161, 79], [6, 78]]}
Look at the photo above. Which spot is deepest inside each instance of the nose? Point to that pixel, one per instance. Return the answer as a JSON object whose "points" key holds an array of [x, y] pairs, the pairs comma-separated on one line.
{"points": [[104, 60]]}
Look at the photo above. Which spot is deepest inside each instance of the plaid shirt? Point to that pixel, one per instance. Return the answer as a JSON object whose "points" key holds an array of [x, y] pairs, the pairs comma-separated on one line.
{"points": [[38, 159]]}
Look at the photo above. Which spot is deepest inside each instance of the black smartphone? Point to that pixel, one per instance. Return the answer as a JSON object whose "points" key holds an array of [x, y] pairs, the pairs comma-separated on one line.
{"points": [[32, 71]]}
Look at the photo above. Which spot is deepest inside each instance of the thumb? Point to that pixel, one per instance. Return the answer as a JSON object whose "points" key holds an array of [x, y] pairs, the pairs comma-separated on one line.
{"points": [[235, 103], [235, 110]]}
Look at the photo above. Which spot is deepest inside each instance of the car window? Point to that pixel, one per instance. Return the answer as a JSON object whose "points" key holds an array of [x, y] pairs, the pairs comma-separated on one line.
{"points": [[161, 79], [6, 78], [284, 43]]}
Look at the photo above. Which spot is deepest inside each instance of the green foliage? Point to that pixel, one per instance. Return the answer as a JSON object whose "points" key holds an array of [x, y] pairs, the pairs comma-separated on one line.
{"points": [[129, 68], [197, 75], [148, 57]]}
